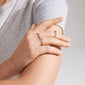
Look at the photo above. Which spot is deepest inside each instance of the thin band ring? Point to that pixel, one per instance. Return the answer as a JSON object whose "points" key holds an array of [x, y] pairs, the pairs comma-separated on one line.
{"points": [[40, 38], [55, 33]]}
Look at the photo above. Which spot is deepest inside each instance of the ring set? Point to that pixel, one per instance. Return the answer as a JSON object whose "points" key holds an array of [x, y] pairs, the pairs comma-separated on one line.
{"points": [[55, 35]]}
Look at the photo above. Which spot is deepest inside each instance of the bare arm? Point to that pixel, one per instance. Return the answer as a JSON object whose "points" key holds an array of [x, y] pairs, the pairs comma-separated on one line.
{"points": [[59, 14], [47, 13], [26, 52], [42, 71], [8, 69]]}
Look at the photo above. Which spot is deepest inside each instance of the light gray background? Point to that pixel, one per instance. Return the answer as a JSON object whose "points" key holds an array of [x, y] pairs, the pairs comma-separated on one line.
{"points": [[72, 70]]}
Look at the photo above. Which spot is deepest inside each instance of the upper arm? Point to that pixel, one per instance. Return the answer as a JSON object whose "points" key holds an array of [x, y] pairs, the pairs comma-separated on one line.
{"points": [[48, 9]]}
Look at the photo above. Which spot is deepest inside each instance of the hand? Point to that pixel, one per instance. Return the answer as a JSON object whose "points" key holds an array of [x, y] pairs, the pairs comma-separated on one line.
{"points": [[49, 39], [30, 48]]}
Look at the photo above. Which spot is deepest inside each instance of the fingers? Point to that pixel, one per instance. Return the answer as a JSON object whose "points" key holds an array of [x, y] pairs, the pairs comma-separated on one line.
{"points": [[50, 32], [50, 50], [55, 42], [45, 24], [64, 38]]}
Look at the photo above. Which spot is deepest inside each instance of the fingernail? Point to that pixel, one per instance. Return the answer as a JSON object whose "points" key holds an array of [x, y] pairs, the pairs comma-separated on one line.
{"points": [[68, 44], [69, 38], [61, 51]]}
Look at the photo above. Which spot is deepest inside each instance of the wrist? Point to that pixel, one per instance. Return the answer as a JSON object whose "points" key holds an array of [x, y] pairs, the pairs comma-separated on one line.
{"points": [[6, 70], [20, 62]]}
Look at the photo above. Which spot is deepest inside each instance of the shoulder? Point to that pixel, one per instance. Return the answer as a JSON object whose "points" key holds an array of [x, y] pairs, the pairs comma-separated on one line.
{"points": [[52, 4], [48, 9]]}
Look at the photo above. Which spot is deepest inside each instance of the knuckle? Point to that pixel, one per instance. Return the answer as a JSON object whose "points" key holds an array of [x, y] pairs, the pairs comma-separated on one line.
{"points": [[28, 35]]}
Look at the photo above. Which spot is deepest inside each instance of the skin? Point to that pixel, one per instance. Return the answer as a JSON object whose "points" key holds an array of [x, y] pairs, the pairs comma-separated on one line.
{"points": [[39, 72], [3, 2], [40, 62]]}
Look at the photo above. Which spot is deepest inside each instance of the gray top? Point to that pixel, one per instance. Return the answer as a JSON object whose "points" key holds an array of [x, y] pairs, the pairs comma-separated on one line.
{"points": [[17, 16]]}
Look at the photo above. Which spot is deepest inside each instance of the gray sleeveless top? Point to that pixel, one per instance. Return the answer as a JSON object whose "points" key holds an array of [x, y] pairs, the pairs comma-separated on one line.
{"points": [[17, 16]]}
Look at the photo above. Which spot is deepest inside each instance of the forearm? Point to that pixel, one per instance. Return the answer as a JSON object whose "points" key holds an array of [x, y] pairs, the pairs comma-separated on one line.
{"points": [[11, 67], [7, 69], [8, 82], [42, 71]]}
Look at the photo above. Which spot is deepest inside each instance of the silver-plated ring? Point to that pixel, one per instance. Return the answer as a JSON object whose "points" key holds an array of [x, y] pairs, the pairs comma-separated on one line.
{"points": [[55, 33], [40, 38], [41, 41], [38, 34]]}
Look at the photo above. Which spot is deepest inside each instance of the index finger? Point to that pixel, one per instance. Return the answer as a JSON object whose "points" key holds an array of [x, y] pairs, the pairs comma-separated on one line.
{"points": [[48, 23]]}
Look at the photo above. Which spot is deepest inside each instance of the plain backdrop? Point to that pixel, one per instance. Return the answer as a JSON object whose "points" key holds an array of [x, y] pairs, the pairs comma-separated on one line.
{"points": [[72, 70]]}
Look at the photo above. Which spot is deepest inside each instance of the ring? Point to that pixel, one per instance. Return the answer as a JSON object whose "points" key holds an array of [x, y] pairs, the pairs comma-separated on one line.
{"points": [[61, 29], [41, 41], [55, 32], [38, 35], [40, 38]]}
